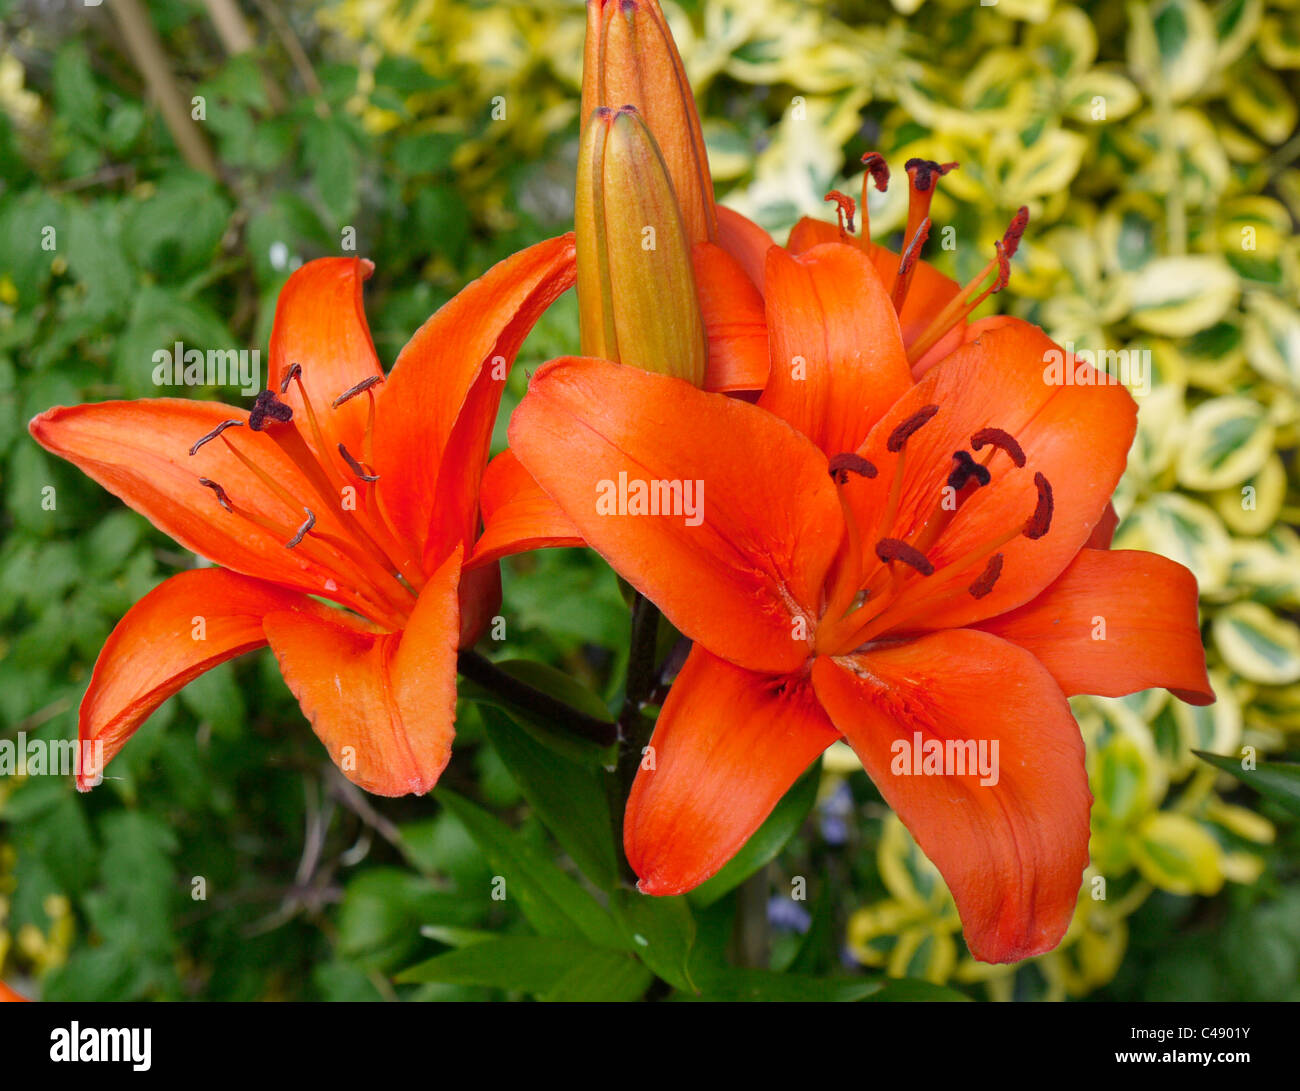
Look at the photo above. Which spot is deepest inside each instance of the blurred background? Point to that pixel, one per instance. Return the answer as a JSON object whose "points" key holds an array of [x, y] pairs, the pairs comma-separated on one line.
{"points": [[188, 155]]}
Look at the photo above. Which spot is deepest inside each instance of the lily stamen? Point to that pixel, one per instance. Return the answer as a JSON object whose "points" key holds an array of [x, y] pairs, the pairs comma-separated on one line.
{"points": [[922, 174], [353, 391], [965, 301], [845, 587], [984, 583], [222, 498], [877, 171], [356, 466], [307, 524], [1002, 441], [907, 266], [215, 433], [845, 210]]}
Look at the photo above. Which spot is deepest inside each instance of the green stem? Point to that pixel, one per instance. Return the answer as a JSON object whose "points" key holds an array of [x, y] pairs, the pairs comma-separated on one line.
{"points": [[491, 677], [634, 727]]}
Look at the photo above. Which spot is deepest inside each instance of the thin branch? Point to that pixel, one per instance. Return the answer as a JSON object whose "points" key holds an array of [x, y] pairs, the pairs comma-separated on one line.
{"points": [[149, 58]]}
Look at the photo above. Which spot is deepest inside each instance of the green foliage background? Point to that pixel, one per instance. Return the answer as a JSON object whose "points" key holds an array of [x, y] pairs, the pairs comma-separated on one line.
{"points": [[1155, 144]]}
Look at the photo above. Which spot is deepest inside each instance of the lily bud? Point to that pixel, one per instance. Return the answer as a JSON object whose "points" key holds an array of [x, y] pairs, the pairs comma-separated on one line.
{"points": [[636, 287], [630, 58]]}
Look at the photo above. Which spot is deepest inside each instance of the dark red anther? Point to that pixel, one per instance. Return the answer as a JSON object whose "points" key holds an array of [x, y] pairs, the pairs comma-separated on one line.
{"points": [[1011, 240], [903, 432], [1040, 522], [907, 264], [844, 464], [1003, 441], [965, 469], [1004, 269], [307, 524], [923, 172], [984, 584], [908, 261], [353, 391], [846, 208], [294, 371], [878, 169], [895, 549], [268, 408], [356, 466], [222, 498], [215, 433]]}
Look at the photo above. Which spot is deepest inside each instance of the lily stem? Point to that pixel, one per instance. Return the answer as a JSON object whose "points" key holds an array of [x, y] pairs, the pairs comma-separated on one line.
{"points": [[634, 727], [491, 677]]}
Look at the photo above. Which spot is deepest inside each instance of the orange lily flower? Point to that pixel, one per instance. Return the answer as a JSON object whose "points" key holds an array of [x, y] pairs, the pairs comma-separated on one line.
{"points": [[900, 563], [341, 484]]}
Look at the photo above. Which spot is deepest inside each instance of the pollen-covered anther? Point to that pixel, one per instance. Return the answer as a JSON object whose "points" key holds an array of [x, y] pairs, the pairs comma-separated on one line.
{"points": [[307, 524], [966, 469], [846, 208], [878, 170], [353, 391], [1040, 522], [267, 409], [984, 584], [215, 433], [1015, 230], [895, 549], [356, 466], [907, 265], [222, 498], [903, 432], [1003, 441], [923, 172], [294, 371], [844, 464]]}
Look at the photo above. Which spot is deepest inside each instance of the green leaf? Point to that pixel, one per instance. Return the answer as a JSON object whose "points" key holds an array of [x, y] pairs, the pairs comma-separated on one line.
{"points": [[531, 964], [382, 912], [767, 841], [912, 989], [816, 953], [569, 799], [739, 984], [1275, 780], [662, 933], [550, 900], [602, 975]]}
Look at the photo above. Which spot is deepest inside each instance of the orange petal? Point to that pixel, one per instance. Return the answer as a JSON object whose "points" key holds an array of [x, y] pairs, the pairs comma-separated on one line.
{"points": [[8, 995], [139, 451], [734, 321], [745, 241], [182, 628], [1011, 852], [439, 404], [727, 746], [837, 358], [384, 704], [808, 233], [320, 324], [740, 565], [1077, 436], [517, 514], [1104, 532], [1115, 623]]}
